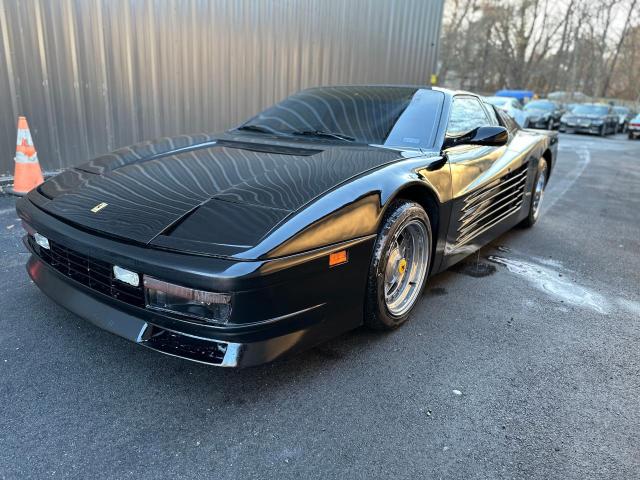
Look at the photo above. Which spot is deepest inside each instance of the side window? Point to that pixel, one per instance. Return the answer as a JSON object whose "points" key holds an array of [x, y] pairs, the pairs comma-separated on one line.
{"points": [[466, 114], [507, 121], [516, 104], [493, 117]]}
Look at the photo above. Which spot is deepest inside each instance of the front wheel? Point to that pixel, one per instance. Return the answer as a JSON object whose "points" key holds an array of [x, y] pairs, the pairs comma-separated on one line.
{"points": [[537, 194], [399, 265]]}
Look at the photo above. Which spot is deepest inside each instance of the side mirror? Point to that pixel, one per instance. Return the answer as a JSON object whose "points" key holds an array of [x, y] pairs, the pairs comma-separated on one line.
{"points": [[486, 136]]}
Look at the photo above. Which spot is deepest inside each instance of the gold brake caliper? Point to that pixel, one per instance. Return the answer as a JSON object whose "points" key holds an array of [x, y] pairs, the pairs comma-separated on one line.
{"points": [[402, 266]]}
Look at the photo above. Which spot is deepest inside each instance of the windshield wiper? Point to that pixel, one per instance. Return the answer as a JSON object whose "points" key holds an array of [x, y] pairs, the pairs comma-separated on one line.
{"points": [[320, 133], [256, 128]]}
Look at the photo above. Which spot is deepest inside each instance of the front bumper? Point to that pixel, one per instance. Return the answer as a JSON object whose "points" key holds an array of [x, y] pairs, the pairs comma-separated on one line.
{"points": [[103, 313], [280, 306], [542, 124], [577, 128]]}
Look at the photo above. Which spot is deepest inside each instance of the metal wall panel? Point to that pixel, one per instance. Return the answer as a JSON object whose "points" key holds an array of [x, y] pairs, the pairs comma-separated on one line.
{"points": [[94, 75]]}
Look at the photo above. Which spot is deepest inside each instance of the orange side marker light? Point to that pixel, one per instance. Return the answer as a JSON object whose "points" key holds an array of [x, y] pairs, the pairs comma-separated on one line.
{"points": [[337, 258]]}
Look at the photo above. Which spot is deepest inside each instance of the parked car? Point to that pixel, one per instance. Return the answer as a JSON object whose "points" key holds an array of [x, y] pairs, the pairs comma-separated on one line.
{"points": [[634, 127], [512, 106], [326, 211], [597, 118], [624, 117], [543, 114]]}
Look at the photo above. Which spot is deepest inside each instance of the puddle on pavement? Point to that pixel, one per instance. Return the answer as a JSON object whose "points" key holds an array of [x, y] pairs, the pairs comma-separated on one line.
{"points": [[474, 269], [554, 283]]}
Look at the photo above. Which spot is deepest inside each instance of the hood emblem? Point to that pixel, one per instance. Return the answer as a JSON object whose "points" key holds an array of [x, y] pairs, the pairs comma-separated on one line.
{"points": [[99, 207]]}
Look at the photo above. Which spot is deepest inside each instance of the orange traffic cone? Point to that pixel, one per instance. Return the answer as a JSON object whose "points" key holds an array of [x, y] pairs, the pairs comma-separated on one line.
{"points": [[27, 174]]}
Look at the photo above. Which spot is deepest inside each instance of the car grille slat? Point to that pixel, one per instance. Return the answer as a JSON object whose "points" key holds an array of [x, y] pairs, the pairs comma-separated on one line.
{"points": [[90, 272]]}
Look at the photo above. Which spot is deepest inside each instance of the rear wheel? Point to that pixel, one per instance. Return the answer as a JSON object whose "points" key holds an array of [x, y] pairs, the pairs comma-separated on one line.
{"points": [[399, 266], [537, 194]]}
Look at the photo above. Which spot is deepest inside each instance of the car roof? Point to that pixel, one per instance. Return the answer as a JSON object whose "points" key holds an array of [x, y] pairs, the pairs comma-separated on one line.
{"points": [[446, 91]]}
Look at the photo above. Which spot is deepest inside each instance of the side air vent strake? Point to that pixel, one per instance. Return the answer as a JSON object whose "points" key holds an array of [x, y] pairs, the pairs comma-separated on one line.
{"points": [[490, 205]]}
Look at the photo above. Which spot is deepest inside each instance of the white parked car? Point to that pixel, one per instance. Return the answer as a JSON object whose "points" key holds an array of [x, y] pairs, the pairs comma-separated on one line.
{"points": [[512, 106]]}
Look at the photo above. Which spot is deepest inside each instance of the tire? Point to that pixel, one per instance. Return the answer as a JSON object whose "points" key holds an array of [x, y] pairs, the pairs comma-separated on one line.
{"points": [[550, 124], [405, 224], [631, 136], [603, 131], [534, 206]]}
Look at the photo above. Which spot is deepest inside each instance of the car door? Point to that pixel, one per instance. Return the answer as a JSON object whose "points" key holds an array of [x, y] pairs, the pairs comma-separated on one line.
{"points": [[487, 182]]}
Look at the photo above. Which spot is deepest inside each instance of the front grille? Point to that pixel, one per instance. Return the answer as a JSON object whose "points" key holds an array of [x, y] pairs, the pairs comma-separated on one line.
{"points": [[491, 204], [90, 272], [187, 347]]}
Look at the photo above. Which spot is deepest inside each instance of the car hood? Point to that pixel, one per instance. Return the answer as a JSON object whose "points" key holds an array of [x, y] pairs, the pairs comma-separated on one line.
{"points": [[214, 195]]}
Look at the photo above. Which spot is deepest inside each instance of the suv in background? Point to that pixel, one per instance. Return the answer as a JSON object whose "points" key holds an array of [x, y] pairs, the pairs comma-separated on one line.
{"points": [[595, 118]]}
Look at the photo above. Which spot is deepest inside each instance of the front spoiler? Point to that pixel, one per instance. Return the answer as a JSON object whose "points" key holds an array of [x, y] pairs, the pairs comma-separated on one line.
{"points": [[178, 344]]}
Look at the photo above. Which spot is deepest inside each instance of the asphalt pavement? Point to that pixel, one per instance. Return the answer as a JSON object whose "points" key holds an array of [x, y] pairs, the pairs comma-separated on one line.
{"points": [[523, 362]]}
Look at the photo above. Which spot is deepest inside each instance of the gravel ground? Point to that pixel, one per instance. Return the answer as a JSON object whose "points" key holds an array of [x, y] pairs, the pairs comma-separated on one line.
{"points": [[523, 362]]}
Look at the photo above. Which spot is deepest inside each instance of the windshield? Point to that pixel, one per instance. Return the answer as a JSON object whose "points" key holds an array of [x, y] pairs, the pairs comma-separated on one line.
{"points": [[590, 110], [540, 105], [392, 116]]}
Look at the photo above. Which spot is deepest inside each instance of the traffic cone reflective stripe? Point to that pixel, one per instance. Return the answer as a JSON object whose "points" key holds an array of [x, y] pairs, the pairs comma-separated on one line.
{"points": [[28, 174]]}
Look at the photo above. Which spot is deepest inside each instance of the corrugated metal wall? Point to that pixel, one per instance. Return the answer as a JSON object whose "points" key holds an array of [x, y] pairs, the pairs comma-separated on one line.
{"points": [[94, 75]]}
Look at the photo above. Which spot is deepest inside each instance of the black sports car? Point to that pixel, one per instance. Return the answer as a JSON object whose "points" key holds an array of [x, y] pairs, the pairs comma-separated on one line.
{"points": [[326, 211]]}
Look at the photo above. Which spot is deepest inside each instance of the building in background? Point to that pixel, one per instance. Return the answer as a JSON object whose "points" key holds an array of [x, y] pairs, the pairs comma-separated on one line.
{"points": [[95, 75]]}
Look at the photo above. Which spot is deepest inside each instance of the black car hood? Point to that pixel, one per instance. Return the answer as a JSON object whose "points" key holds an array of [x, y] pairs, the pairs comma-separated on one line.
{"points": [[216, 196]]}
